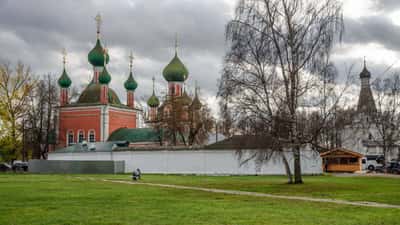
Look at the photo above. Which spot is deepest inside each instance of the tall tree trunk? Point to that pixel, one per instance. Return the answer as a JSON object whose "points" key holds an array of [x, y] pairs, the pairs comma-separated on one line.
{"points": [[13, 138], [48, 126], [24, 152], [385, 148], [297, 165], [36, 154], [287, 168], [183, 137]]}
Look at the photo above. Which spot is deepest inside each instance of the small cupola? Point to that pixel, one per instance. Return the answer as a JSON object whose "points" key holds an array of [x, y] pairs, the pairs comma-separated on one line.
{"points": [[153, 101], [365, 73], [104, 77], [64, 81], [130, 84]]}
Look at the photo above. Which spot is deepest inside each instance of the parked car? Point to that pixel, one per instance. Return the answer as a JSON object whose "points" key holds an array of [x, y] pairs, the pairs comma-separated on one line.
{"points": [[393, 167], [379, 169], [4, 167], [371, 162], [20, 166]]}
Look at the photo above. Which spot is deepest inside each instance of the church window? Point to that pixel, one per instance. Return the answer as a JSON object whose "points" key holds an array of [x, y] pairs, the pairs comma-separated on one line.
{"points": [[92, 137], [81, 136], [70, 138]]}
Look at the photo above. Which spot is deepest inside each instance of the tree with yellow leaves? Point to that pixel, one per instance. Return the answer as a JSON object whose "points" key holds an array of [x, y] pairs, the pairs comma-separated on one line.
{"points": [[15, 87]]}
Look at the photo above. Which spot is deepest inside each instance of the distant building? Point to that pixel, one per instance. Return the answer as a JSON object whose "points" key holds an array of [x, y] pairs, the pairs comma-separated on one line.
{"points": [[178, 107], [362, 134]]}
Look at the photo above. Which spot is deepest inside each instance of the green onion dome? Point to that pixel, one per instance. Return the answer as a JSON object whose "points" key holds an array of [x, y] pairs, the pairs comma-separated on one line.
{"points": [[104, 77], [96, 55], [175, 71], [153, 101], [130, 84], [64, 81]]}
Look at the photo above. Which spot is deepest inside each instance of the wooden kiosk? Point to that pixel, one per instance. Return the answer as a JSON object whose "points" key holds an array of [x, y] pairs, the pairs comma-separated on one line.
{"points": [[341, 160]]}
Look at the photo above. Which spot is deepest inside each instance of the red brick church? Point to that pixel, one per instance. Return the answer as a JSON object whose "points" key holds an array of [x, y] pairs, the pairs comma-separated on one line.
{"points": [[98, 111], [99, 116]]}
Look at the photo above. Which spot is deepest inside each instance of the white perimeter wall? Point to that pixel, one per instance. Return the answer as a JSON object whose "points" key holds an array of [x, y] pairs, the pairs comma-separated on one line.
{"points": [[195, 161]]}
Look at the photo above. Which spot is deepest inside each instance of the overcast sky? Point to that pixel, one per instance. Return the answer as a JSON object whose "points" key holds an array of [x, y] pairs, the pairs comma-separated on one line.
{"points": [[35, 32]]}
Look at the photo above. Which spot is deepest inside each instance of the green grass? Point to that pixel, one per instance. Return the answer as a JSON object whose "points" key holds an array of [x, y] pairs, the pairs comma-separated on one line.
{"points": [[58, 199], [373, 189]]}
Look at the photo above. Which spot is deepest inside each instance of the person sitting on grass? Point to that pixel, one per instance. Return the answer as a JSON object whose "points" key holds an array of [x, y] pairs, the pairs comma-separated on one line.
{"points": [[136, 174]]}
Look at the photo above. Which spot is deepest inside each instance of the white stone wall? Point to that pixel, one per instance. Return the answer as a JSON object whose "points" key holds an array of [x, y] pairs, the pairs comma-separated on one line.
{"points": [[194, 161]]}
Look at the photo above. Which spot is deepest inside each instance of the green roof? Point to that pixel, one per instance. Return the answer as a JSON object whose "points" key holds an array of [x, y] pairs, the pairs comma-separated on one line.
{"points": [[64, 81], [92, 95], [96, 55], [135, 135], [104, 77], [175, 71], [153, 101], [130, 84]]}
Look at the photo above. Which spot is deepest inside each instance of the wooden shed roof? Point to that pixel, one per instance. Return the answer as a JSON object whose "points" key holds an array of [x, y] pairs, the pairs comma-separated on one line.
{"points": [[340, 152]]}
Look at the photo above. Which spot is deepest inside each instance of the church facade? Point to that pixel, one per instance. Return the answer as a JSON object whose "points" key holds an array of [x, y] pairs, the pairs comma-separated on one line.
{"points": [[362, 135], [98, 112], [98, 115]]}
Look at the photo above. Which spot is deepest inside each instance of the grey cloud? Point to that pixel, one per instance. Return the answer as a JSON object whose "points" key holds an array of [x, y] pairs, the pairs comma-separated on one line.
{"points": [[388, 5], [37, 30], [376, 29]]}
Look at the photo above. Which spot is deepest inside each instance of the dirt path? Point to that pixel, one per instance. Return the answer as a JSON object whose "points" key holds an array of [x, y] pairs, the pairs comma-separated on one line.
{"points": [[255, 194], [386, 175]]}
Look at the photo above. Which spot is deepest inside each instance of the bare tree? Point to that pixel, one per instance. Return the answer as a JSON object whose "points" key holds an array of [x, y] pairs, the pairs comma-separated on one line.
{"points": [[39, 121], [183, 121], [200, 124], [386, 120], [173, 118], [278, 50]]}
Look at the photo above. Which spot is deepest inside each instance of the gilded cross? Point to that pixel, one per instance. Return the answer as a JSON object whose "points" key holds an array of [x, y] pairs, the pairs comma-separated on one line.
{"points": [[176, 42], [64, 54], [98, 23], [131, 58]]}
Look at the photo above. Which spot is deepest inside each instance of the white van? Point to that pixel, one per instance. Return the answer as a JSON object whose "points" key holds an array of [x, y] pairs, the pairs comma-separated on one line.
{"points": [[370, 162]]}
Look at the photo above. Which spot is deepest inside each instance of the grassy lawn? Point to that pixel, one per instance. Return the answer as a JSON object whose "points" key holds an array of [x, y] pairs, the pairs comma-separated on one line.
{"points": [[373, 189], [57, 199]]}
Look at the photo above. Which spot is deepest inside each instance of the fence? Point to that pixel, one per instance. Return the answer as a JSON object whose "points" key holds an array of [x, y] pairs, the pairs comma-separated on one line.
{"points": [[195, 161]]}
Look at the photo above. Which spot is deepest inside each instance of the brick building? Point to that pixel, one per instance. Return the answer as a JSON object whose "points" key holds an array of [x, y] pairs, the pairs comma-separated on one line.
{"points": [[99, 116], [98, 112], [178, 112]]}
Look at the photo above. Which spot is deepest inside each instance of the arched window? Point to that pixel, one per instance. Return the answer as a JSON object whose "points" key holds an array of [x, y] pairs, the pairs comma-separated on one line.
{"points": [[81, 136], [92, 136], [70, 138]]}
